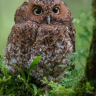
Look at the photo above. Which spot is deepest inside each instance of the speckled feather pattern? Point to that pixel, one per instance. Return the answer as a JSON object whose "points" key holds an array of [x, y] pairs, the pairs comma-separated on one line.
{"points": [[31, 36]]}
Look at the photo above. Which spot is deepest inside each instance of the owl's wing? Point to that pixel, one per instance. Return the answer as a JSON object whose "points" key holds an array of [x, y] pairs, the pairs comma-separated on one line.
{"points": [[72, 34], [69, 25]]}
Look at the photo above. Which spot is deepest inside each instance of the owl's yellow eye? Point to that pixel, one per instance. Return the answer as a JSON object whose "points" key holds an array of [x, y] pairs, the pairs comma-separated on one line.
{"points": [[37, 11], [56, 10]]}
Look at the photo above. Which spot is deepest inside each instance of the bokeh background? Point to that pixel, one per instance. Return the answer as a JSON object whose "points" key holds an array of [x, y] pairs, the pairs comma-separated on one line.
{"points": [[8, 9]]}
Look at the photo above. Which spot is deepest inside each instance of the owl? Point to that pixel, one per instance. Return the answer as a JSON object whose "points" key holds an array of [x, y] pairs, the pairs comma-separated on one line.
{"points": [[42, 28]]}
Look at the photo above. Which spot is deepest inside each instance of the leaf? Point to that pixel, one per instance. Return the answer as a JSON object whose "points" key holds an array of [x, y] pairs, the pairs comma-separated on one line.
{"points": [[35, 61], [62, 65], [89, 87], [22, 73], [4, 69], [4, 79], [35, 89]]}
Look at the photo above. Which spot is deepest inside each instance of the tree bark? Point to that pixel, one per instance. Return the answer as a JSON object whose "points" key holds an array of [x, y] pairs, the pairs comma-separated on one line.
{"points": [[91, 60]]}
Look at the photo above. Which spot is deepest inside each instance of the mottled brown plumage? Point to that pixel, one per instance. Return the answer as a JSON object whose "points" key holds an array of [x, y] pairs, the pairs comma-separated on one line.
{"points": [[49, 34]]}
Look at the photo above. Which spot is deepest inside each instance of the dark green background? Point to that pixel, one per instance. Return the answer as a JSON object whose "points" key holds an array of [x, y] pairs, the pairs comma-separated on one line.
{"points": [[8, 8]]}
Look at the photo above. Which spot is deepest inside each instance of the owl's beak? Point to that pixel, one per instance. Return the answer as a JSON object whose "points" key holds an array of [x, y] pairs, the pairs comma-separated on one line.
{"points": [[48, 20]]}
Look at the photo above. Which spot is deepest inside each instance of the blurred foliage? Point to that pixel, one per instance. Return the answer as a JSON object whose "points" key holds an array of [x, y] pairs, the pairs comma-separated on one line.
{"points": [[57, 88], [85, 21]]}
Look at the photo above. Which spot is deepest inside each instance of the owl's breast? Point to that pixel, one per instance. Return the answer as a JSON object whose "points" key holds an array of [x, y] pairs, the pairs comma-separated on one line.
{"points": [[53, 41], [49, 32], [54, 44]]}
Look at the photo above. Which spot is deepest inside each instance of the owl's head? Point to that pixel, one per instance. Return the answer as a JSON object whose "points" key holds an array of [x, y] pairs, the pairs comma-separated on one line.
{"points": [[43, 12]]}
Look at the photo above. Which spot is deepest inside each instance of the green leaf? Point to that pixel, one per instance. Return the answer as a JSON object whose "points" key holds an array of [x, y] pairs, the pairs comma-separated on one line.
{"points": [[35, 89], [35, 61], [89, 87], [4, 69], [22, 73], [62, 65]]}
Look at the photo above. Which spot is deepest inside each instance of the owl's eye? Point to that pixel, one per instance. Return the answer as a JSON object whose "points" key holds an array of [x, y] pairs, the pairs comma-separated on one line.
{"points": [[37, 11], [56, 10]]}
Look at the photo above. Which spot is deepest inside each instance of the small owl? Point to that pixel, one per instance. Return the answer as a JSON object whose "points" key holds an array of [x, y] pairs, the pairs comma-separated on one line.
{"points": [[42, 28]]}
